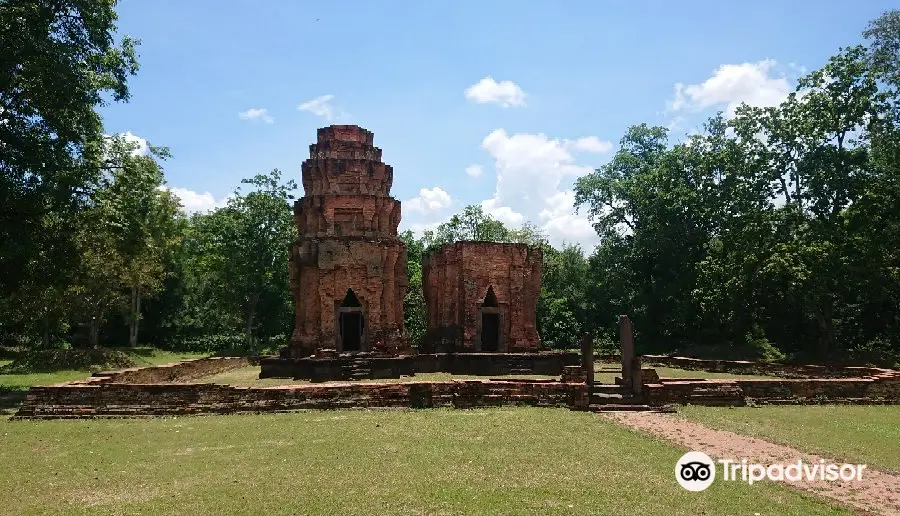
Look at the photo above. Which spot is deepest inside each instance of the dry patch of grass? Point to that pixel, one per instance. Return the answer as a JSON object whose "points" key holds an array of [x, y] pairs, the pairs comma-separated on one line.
{"points": [[486, 461]]}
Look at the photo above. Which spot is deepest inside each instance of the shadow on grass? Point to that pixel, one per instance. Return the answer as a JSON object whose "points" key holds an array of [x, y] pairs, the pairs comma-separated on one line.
{"points": [[11, 398], [142, 351], [55, 360]]}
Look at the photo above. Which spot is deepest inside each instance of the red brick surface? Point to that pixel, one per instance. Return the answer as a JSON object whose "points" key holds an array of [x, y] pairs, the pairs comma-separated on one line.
{"points": [[71, 401], [174, 372], [456, 279], [347, 225]]}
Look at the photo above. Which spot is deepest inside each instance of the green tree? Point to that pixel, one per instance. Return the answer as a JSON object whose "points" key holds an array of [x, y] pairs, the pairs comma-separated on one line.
{"points": [[563, 308], [472, 224], [143, 215], [59, 59], [414, 303], [239, 254]]}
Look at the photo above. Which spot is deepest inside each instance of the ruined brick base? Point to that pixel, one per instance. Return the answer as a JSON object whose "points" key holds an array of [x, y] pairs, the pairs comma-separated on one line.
{"points": [[183, 371], [798, 384], [879, 389], [123, 393], [366, 366], [138, 400], [756, 368]]}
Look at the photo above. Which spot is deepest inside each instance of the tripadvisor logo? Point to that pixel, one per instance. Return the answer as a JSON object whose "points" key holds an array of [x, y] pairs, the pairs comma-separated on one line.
{"points": [[695, 471]]}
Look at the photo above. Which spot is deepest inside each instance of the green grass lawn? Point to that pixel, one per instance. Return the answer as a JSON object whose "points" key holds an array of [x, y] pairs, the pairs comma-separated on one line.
{"points": [[606, 372], [863, 434], [141, 356], [486, 461]]}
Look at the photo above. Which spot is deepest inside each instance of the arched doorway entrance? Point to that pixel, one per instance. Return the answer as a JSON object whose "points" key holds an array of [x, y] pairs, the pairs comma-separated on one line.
{"points": [[491, 329], [351, 324]]}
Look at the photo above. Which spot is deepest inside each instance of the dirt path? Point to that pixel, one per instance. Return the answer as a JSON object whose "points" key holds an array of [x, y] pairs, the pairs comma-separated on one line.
{"points": [[877, 493]]}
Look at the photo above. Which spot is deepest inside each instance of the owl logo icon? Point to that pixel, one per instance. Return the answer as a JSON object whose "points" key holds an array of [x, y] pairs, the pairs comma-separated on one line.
{"points": [[695, 471]]}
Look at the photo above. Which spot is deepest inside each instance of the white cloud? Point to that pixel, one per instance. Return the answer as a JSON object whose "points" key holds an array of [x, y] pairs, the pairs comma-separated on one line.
{"points": [[322, 106], [140, 145], [474, 170], [192, 202], [532, 173], [489, 91], [428, 200], [731, 84], [591, 144], [508, 216], [256, 114], [559, 220]]}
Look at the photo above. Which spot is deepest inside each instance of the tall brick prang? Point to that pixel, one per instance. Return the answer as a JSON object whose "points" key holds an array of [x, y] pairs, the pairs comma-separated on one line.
{"points": [[348, 266]]}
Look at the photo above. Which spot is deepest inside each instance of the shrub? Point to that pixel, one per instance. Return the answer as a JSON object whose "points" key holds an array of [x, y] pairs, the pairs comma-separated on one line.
{"points": [[50, 360]]}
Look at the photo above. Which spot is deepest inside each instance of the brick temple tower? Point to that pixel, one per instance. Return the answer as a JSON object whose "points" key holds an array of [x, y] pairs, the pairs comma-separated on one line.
{"points": [[347, 267], [482, 297]]}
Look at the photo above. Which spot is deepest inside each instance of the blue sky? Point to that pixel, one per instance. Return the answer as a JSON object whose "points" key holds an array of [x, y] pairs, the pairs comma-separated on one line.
{"points": [[487, 102]]}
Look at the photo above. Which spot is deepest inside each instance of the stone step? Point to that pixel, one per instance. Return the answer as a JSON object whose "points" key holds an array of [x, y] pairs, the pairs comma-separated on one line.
{"points": [[608, 396], [619, 407], [607, 387]]}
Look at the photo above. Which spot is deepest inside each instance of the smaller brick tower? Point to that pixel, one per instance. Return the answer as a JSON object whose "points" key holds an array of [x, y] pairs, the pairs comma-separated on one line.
{"points": [[482, 297], [348, 267]]}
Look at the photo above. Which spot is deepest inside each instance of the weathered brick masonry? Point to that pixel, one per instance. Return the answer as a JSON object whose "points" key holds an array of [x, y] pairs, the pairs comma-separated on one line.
{"points": [[347, 266], [345, 367], [760, 368], [879, 388], [118, 393], [71, 401], [174, 372], [482, 296]]}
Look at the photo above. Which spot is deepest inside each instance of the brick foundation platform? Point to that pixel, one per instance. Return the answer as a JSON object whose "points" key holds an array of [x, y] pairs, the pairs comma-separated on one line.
{"points": [[97, 400], [166, 390], [878, 389], [361, 366], [757, 368]]}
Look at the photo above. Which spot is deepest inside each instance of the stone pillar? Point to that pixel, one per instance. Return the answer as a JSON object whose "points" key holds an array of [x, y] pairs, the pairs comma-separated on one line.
{"points": [[587, 357], [631, 365], [637, 379]]}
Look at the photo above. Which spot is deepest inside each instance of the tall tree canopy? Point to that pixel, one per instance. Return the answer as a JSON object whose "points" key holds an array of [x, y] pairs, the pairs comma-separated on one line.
{"points": [[59, 60]]}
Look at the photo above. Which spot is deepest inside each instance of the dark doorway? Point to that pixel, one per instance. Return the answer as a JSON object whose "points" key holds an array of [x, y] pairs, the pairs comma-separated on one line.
{"points": [[490, 300], [350, 300], [350, 322], [351, 331], [490, 322], [490, 332]]}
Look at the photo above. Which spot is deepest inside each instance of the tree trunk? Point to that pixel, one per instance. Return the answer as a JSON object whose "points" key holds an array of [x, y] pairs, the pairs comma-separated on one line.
{"points": [[95, 331], [45, 337], [825, 323], [135, 321], [248, 324]]}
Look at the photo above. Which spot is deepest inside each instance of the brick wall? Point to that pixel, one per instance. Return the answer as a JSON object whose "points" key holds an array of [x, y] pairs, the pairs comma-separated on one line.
{"points": [[549, 363], [455, 283], [881, 388], [174, 372], [760, 368], [102, 399]]}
